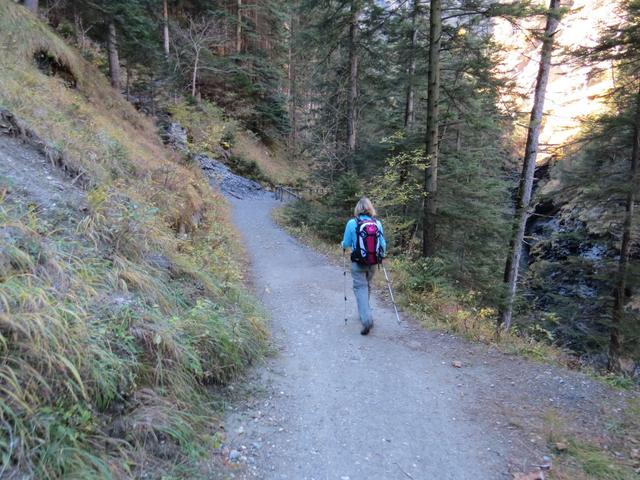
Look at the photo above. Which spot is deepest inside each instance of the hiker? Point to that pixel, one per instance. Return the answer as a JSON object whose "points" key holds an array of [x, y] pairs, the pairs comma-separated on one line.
{"points": [[365, 237]]}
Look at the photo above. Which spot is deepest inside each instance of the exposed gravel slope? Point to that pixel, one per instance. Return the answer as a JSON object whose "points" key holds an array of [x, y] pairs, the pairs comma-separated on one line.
{"points": [[220, 176], [26, 173]]}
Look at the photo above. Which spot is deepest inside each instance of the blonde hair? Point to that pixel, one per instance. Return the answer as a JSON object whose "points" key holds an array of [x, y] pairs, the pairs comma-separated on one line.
{"points": [[364, 207]]}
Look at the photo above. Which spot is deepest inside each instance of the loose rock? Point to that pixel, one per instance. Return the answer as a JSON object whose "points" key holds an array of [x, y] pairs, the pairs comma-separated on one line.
{"points": [[234, 455], [561, 446], [231, 184]]}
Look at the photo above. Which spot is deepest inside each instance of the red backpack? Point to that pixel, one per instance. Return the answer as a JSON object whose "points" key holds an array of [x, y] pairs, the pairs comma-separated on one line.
{"points": [[368, 249]]}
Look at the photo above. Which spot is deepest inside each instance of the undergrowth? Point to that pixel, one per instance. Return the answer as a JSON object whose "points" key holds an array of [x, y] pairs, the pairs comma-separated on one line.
{"points": [[207, 126], [278, 163], [114, 317]]}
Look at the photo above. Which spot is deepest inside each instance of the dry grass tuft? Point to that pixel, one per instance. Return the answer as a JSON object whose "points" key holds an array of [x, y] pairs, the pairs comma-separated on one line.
{"points": [[274, 162]]}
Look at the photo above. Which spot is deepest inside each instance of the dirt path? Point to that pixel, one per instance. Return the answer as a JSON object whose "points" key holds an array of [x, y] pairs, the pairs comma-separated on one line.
{"points": [[342, 406]]}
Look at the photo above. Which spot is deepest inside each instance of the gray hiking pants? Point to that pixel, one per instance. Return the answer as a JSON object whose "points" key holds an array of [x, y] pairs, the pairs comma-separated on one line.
{"points": [[362, 276]]}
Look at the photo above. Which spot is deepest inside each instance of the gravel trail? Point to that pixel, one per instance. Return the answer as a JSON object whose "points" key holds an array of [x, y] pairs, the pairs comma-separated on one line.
{"points": [[342, 406]]}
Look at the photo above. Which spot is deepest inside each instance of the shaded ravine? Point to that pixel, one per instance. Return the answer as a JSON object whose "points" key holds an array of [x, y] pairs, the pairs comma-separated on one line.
{"points": [[343, 406]]}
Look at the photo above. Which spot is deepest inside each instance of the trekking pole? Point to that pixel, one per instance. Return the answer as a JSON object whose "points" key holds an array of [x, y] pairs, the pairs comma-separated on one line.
{"points": [[393, 301], [344, 273]]}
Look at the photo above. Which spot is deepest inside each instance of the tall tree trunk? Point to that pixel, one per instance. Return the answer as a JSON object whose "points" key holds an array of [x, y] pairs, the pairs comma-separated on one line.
{"points": [[128, 84], [194, 76], [409, 111], [153, 97], [259, 35], [433, 97], [529, 164], [114, 61], [618, 317], [293, 114], [32, 5], [239, 27], [77, 28], [353, 76], [165, 25]]}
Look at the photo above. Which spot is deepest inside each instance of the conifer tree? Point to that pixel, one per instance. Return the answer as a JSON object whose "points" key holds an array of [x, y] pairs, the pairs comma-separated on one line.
{"points": [[617, 189], [621, 293]]}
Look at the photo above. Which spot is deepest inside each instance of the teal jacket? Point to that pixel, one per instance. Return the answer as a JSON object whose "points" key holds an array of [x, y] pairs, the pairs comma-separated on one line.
{"points": [[349, 238]]}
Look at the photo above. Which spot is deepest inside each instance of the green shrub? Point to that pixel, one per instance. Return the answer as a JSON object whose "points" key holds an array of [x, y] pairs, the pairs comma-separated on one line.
{"points": [[424, 274], [246, 168]]}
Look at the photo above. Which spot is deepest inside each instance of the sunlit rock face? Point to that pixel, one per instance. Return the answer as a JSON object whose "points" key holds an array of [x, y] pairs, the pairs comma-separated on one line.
{"points": [[573, 89]]}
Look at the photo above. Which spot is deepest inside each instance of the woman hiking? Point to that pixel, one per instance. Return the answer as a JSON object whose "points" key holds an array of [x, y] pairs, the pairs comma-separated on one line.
{"points": [[365, 237]]}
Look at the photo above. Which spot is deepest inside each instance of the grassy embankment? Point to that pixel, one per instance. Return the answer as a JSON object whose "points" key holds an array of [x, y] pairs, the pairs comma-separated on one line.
{"points": [[115, 318]]}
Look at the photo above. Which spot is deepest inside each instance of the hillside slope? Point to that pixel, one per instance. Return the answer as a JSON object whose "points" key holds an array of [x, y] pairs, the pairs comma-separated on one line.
{"points": [[120, 294]]}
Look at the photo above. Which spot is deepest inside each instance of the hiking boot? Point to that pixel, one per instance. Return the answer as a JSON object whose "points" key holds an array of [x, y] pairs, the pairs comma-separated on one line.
{"points": [[365, 330]]}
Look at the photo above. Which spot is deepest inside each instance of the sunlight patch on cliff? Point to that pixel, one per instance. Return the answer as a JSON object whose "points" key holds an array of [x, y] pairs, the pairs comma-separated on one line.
{"points": [[574, 91]]}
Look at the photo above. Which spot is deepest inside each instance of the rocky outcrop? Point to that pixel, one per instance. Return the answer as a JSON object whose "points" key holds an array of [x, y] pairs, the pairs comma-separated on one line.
{"points": [[569, 265], [175, 135], [229, 183], [219, 175]]}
